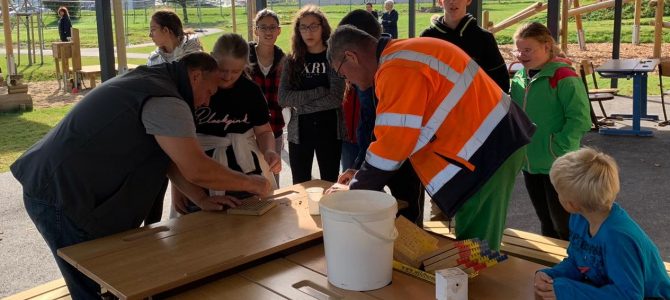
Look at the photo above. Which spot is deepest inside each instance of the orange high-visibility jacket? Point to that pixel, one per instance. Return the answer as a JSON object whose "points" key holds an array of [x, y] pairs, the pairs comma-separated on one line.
{"points": [[440, 110]]}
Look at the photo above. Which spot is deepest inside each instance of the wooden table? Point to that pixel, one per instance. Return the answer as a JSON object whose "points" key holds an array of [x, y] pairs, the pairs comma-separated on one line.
{"points": [[149, 260], [168, 257], [637, 69], [303, 275]]}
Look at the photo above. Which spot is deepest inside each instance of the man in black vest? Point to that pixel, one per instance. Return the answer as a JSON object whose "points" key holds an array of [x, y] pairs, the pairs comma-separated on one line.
{"points": [[99, 171]]}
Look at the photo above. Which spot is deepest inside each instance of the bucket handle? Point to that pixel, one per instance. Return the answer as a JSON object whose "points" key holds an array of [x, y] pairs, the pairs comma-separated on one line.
{"points": [[371, 232]]}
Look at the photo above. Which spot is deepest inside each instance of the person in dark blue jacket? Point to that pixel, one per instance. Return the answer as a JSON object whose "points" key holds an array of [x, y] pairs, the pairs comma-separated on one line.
{"points": [[64, 24]]}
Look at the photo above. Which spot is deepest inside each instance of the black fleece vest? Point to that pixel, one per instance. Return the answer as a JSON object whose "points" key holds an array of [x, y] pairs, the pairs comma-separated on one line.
{"points": [[99, 164]]}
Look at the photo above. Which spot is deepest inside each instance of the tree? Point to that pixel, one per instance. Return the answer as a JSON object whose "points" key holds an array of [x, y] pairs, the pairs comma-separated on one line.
{"points": [[181, 3]]}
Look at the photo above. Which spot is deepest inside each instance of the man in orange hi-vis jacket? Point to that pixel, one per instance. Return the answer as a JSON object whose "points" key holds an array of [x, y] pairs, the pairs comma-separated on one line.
{"points": [[462, 134]]}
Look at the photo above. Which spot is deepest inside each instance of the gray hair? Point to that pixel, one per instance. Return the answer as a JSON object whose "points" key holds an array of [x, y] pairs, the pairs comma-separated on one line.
{"points": [[388, 2], [347, 37]]}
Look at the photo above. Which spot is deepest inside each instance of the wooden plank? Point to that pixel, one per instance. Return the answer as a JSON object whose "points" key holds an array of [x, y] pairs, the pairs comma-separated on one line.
{"points": [[440, 228], [506, 280], [536, 237], [59, 293], [402, 286], [39, 290], [296, 282], [189, 248], [525, 253], [231, 287], [537, 246]]}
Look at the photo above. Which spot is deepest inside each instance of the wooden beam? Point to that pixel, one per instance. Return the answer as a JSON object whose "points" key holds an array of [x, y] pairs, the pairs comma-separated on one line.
{"points": [[591, 7], [119, 30], [564, 26], [580, 28], [251, 13], [7, 26], [532, 7], [636, 22], [665, 24], [525, 14], [232, 12], [658, 29]]}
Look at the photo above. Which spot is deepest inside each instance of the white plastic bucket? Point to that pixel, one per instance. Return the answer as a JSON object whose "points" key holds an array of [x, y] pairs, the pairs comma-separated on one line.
{"points": [[358, 235]]}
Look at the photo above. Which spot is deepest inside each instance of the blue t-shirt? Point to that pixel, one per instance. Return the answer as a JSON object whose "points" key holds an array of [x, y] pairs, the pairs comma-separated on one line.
{"points": [[619, 262]]}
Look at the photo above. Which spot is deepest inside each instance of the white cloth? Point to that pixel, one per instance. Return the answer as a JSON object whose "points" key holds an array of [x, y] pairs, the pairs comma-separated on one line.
{"points": [[188, 44], [243, 145]]}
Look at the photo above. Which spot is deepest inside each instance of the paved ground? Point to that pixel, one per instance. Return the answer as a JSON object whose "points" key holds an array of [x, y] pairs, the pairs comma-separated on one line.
{"points": [[644, 163]]}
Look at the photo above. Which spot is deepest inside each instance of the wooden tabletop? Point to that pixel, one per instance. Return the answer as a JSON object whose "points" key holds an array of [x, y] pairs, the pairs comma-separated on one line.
{"points": [[149, 260], [303, 275]]}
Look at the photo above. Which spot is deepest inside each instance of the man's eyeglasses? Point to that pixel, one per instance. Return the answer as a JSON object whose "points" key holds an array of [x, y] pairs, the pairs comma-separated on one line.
{"points": [[267, 28], [519, 52], [344, 59], [311, 27]]}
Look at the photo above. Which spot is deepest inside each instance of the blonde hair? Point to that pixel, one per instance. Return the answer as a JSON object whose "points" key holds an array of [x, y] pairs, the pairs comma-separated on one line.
{"points": [[540, 33], [589, 177]]}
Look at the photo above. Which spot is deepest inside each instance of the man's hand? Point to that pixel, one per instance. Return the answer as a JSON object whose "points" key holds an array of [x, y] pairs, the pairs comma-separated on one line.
{"points": [[274, 161], [179, 201], [347, 176], [259, 185], [544, 286], [336, 188], [217, 202]]}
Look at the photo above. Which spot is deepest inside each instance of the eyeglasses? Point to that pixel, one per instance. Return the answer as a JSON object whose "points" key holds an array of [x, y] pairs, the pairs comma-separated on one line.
{"points": [[311, 27], [519, 52], [267, 28], [344, 59]]}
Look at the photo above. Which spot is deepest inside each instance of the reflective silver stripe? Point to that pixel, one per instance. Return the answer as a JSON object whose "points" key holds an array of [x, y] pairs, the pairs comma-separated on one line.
{"points": [[399, 120], [442, 178], [442, 111], [485, 129], [434, 63], [472, 145], [382, 163]]}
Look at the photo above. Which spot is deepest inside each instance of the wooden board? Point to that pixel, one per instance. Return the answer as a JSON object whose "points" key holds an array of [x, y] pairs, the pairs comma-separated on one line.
{"points": [[511, 279], [146, 261], [536, 237], [412, 243], [297, 282], [231, 287], [402, 286], [51, 290]]}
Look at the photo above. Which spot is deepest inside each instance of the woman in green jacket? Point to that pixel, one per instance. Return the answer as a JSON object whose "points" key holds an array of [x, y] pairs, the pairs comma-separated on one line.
{"points": [[553, 96]]}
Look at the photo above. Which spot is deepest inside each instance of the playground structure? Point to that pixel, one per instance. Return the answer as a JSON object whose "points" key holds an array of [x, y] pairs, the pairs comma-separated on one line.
{"points": [[17, 97], [577, 11]]}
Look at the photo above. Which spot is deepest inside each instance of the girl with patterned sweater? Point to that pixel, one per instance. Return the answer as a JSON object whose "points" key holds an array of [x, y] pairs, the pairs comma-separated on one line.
{"points": [[266, 65]]}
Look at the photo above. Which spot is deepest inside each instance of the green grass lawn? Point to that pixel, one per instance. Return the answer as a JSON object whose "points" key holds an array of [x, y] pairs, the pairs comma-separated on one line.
{"points": [[19, 131]]}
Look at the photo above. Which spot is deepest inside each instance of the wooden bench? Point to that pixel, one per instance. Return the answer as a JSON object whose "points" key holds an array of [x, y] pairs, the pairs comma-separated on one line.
{"points": [[538, 248], [439, 227], [529, 246], [533, 247], [93, 72], [51, 290]]}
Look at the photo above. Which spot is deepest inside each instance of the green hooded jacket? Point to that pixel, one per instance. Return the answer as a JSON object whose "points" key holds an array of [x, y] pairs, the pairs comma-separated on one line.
{"points": [[555, 100]]}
